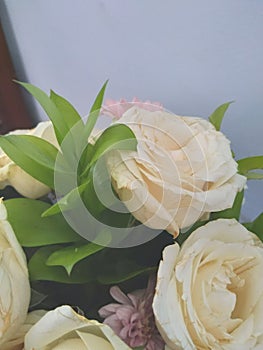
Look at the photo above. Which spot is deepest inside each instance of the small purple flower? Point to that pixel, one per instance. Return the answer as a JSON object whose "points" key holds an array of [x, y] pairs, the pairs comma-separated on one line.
{"points": [[132, 319]]}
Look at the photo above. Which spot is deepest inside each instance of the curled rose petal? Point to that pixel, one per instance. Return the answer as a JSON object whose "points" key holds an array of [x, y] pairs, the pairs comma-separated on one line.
{"points": [[64, 329]]}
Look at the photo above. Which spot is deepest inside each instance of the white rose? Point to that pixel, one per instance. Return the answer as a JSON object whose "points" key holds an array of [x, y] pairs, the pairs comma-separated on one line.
{"points": [[209, 294], [17, 341], [13, 175], [15, 288], [64, 329], [182, 170]]}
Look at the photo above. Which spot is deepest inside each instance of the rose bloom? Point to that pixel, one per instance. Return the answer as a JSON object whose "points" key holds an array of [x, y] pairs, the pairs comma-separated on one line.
{"points": [[15, 288], [17, 341], [11, 174], [64, 329], [209, 294], [182, 170]]}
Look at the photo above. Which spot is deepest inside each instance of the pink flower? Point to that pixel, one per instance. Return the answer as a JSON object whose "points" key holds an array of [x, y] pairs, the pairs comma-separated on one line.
{"points": [[132, 317], [116, 109]]}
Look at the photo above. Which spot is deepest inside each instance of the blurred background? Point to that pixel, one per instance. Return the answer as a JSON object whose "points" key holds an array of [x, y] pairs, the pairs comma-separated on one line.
{"points": [[190, 55]]}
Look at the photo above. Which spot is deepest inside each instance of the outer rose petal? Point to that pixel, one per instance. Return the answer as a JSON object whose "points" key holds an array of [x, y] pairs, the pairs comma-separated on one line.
{"points": [[164, 307], [58, 326], [17, 341], [15, 288], [13, 175]]}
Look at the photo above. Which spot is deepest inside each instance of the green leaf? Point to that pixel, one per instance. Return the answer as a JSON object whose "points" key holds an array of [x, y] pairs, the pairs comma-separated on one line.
{"points": [[34, 155], [69, 113], [117, 136], [254, 176], [31, 230], [185, 234], [90, 198], [123, 270], [248, 225], [256, 226], [73, 143], [231, 213], [50, 108], [67, 202], [94, 112], [69, 256], [217, 116], [92, 119], [245, 166], [39, 271], [112, 138]]}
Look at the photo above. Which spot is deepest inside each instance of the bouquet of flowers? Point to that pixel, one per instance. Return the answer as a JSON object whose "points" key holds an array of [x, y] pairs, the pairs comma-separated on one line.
{"points": [[127, 237]]}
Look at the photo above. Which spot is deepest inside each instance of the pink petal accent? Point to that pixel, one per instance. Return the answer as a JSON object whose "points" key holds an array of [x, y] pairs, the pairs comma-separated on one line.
{"points": [[124, 314], [132, 319], [119, 296], [114, 323], [107, 310], [115, 109], [136, 296]]}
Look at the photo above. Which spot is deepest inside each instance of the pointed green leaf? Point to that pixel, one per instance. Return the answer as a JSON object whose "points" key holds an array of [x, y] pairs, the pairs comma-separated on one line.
{"points": [[117, 272], [39, 271], [34, 155], [256, 226], [69, 256], [99, 98], [117, 136], [69, 113], [113, 138], [94, 112], [217, 116], [254, 176], [31, 230], [65, 203], [185, 234], [231, 213], [248, 225], [90, 198], [245, 166], [50, 108], [75, 126]]}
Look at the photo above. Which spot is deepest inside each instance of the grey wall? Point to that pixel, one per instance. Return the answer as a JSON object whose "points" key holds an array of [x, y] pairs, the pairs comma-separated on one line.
{"points": [[190, 55]]}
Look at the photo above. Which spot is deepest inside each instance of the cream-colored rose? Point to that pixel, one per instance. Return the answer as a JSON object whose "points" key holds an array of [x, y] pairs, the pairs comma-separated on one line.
{"points": [[64, 329], [183, 169], [17, 341], [13, 175], [14, 283], [209, 294]]}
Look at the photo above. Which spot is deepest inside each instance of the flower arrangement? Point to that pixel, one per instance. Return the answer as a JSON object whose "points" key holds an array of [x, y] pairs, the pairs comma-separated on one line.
{"points": [[128, 237]]}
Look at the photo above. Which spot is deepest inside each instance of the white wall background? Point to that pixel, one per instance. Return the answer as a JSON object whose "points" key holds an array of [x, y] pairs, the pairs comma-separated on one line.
{"points": [[190, 55]]}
